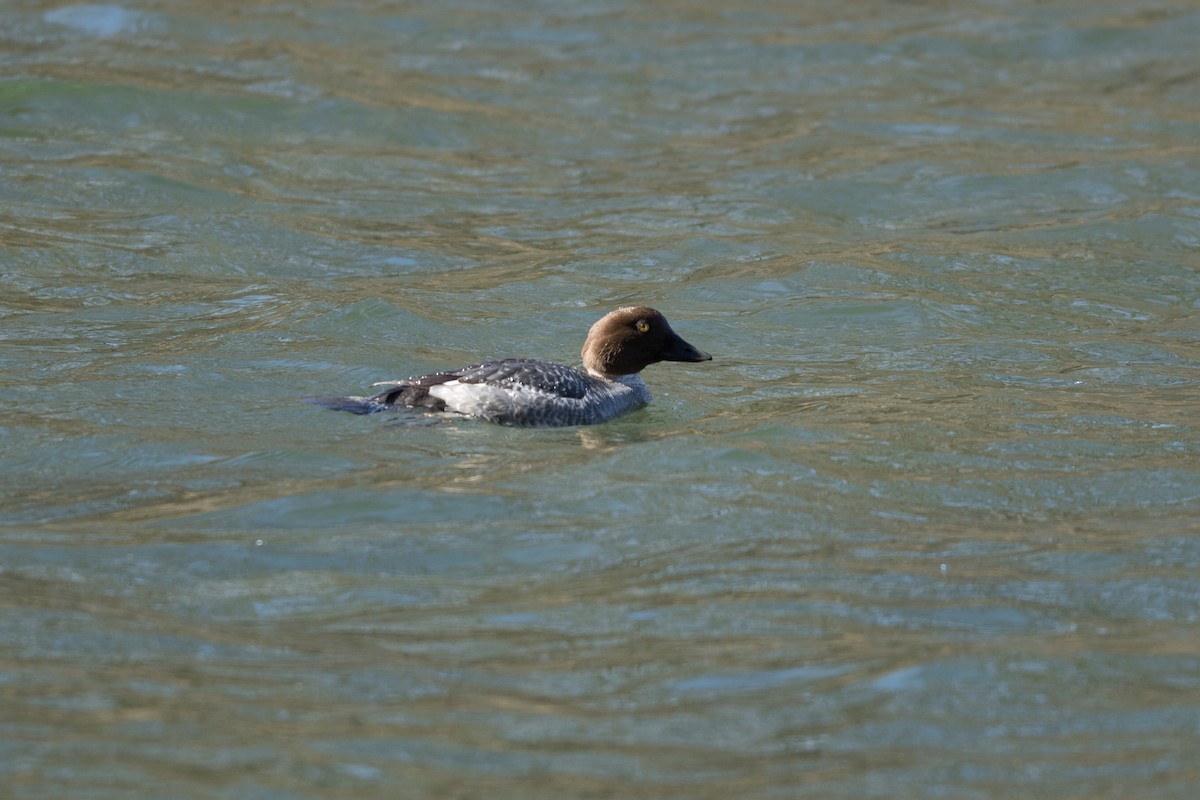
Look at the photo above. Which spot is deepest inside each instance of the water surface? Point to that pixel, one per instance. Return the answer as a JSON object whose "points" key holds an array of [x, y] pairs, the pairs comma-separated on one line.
{"points": [[925, 527]]}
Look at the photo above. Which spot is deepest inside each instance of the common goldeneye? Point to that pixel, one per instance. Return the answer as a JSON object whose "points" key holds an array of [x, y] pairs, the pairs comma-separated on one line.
{"points": [[529, 392]]}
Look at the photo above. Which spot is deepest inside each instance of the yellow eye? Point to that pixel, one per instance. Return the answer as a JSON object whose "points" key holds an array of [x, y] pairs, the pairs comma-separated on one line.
{"points": [[643, 326]]}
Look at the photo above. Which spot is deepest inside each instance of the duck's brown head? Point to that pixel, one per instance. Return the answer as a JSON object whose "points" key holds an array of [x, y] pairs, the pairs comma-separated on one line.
{"points": [[626, 341]]}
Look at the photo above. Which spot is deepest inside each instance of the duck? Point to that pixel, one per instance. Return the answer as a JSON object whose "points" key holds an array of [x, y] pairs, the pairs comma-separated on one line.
{"points": [[532, 392]]}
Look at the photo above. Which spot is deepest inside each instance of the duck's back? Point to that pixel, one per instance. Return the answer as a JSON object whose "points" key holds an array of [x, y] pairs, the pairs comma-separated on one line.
{"points": [[526, 392]]}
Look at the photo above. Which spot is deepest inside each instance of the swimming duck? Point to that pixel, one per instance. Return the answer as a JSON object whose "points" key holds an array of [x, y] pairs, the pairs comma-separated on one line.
{"points": [[530, 392]]}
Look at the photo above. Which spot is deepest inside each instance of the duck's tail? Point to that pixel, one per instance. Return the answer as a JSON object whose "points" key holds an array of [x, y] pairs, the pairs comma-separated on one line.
{"points": [[402, 394], [355, 405]]}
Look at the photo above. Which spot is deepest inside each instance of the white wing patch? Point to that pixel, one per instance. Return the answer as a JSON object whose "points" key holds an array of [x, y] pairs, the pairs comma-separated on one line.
{"points": [[485, 400]]}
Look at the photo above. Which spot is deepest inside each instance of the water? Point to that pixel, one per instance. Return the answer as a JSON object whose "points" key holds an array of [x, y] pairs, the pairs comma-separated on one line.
{"points": [[925, 527]]}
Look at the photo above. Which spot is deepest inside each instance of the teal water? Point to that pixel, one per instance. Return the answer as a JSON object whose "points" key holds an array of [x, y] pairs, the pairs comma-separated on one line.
{"points": [[926, 526]]}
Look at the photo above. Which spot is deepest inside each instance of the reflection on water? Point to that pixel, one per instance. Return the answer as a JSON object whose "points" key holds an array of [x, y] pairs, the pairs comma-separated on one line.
{"points": [[925, 526]]}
